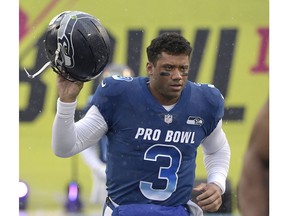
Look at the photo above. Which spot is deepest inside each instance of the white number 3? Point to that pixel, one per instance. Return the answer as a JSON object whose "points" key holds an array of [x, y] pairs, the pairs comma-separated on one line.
{"points": [[169, 173]]}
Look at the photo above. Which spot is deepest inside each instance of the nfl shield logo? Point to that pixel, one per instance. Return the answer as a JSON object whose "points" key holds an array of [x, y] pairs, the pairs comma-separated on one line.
{"points": [[168, 119]]}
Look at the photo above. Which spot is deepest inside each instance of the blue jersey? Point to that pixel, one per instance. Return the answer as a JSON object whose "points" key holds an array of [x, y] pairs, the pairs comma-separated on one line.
{"points": [[151, 152]]}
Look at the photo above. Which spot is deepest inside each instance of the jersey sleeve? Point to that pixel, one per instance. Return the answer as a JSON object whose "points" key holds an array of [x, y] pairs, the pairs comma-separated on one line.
{"points": [[108, 94], [215, 100]]}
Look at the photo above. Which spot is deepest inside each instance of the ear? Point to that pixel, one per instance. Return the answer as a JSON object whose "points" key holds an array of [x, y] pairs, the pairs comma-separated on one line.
{"points": [[149, 67]]}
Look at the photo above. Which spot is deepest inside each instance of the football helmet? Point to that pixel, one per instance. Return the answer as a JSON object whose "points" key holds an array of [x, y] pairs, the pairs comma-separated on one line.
{"points": [[77, 46]]}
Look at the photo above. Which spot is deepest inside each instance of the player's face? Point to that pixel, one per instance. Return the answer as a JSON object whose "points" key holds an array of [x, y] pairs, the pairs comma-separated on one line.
{"points": [[168, 77]]}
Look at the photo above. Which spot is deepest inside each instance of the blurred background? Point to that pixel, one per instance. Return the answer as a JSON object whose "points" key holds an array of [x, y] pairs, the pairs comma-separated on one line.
{"points": [[231, 50]]}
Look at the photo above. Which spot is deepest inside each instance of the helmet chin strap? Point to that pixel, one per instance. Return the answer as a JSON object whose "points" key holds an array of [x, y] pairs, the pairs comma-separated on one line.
{"points": [[37, 73], [57, 52]]}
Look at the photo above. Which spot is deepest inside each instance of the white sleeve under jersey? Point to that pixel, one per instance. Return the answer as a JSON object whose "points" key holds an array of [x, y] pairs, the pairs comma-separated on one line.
{"points": [[70, 138], [217, 157]]}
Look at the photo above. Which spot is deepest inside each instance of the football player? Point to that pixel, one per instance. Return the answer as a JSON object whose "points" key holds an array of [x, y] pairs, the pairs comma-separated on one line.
{"points": [[154, 127]]}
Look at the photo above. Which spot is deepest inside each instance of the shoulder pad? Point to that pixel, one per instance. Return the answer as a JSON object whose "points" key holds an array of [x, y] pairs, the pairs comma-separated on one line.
{"points": [[118, 82]]}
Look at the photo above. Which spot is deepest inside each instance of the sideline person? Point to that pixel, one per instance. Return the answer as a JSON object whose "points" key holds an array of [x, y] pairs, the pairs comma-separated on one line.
{"points": [[253, 187], [154, 126]]}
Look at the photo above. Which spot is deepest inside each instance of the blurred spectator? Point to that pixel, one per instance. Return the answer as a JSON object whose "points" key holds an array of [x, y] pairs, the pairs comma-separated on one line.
{"points": [[253, 188]]}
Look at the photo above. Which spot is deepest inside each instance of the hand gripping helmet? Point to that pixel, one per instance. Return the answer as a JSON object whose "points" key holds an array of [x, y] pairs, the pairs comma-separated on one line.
{"points": [[77, 46]]}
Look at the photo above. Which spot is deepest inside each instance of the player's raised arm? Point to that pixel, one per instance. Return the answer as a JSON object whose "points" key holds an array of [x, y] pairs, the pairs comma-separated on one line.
{"points": [[78, 48]]}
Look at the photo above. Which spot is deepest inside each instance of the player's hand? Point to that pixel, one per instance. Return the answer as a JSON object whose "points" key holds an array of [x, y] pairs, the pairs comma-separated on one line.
{"points": [[209, 198], [67, 90]]}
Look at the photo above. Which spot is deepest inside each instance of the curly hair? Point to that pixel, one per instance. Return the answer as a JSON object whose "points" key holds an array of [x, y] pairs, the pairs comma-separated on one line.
{"points": [[171, 43]]}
